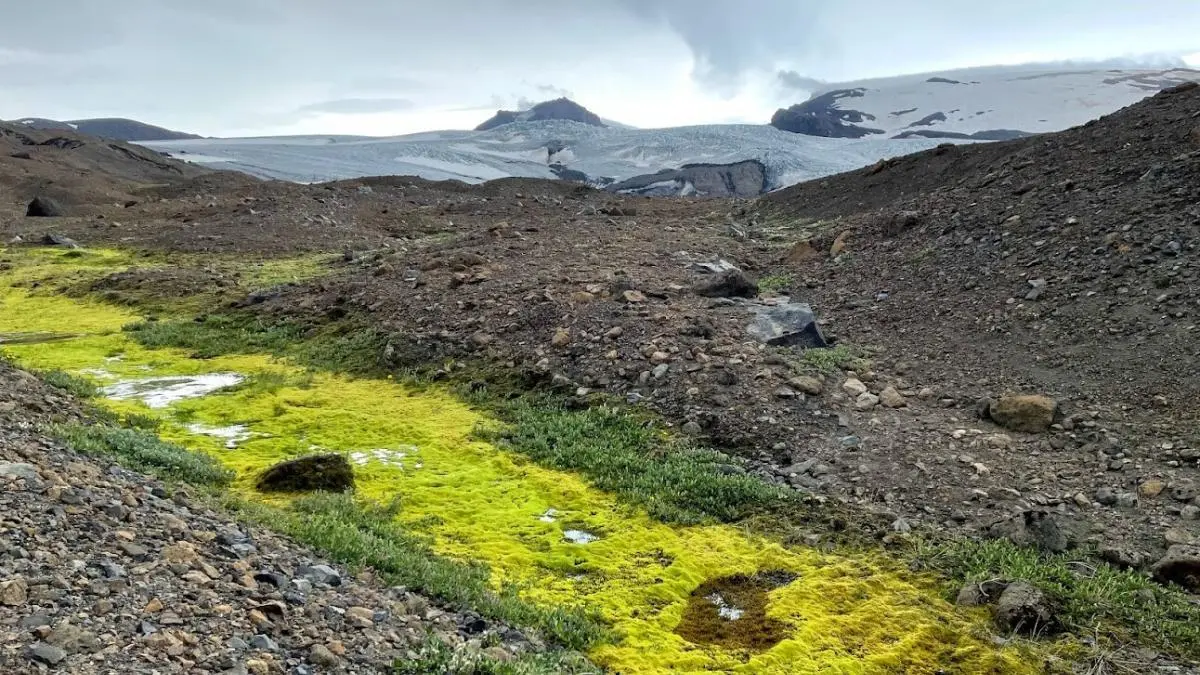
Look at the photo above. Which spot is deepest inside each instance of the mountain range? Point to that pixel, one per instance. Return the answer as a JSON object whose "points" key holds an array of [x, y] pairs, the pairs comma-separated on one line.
{"points": [[838, 127], [113, 128]]}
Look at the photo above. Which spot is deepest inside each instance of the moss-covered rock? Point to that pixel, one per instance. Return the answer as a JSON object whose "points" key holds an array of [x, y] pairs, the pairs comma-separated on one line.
{"points": [[328, 473], [1033, 414]]}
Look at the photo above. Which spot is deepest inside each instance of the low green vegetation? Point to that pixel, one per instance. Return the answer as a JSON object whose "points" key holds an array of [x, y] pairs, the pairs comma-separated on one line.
{"points": [[361, 535], [217, 334], [829, 360], [774, 283], [1090, 598], [74, 385], [435, 656], [143, 451], [622, 454]]}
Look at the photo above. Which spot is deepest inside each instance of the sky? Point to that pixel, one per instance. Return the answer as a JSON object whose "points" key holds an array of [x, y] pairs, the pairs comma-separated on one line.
{"points": [[384, 67]]}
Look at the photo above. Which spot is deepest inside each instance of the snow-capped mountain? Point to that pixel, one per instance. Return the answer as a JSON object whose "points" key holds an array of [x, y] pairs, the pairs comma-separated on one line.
{"points": [[992, 103], [119, 129], [840, 128]]}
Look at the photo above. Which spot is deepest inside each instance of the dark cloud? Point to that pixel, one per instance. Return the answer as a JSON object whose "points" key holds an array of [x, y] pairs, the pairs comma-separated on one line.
{"points": [[355, 106], [793, 81]]}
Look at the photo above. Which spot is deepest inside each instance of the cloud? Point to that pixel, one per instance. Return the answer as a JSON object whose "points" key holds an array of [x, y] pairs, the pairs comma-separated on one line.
{"points": [[793, 81], [356, 106]]}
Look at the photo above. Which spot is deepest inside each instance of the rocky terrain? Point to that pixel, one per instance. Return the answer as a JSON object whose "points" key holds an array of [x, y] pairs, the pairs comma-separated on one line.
{"points": [[112, 128], [1014, 330], [106, 571]]}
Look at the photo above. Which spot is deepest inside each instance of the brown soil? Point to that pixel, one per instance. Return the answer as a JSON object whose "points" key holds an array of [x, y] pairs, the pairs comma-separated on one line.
{"points": [[744, 625], [935, 255]]}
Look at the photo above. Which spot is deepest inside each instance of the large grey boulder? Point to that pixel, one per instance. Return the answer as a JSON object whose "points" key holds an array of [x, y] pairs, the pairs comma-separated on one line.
{"points": [[789, 325]]}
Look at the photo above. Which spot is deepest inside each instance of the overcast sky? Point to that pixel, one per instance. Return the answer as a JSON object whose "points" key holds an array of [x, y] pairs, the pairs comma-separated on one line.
{"points": [[242, 67]]}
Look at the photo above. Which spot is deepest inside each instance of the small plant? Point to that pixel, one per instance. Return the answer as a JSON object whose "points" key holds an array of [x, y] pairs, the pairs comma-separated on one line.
{"points": [[829, 359], [72, 384], [143, 451], [435, 656], [775, 283]]}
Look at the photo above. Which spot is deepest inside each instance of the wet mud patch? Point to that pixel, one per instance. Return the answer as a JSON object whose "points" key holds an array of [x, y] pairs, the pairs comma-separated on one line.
{"points": [[731, 612], [34, 338]]}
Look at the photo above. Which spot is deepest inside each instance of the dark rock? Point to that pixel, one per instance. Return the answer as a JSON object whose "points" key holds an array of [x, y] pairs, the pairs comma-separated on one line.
{"points": [[789, 325], [320, 574], [1023, 609], [330, 473], [747, 178], [45, 207], [1036, 529], [47, 654], [1181, 566], [59, 240], [728, 284], [822, 115], [21, 155]]}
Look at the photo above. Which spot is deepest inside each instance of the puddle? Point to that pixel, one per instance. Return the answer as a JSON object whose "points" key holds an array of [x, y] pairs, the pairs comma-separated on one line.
{"points": [[232, 435], [99, 372], [34, 338], [160, 392], [549, 516], [384, 456], [579, 536], [731, 612]]}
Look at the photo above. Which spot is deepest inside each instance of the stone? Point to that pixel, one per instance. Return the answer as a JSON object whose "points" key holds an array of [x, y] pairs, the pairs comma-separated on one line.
{"points": [[72, 638], [789, 325], [263, 642], [320, 574], [807, 384], [633, 297], [729, 284], [329, 473], [182, 553], [14, 592], [892, 398], [46, 207], [1180, 566], [1151, 488], [1037, 529], [361, 617], [854, 387], [1031, 413], [321, 655], [18, 471], [1106, 496], [976, 594], [866, 402], [47, 654], [562, 338], [692, 429], [1023, 609], [1190, 512]]}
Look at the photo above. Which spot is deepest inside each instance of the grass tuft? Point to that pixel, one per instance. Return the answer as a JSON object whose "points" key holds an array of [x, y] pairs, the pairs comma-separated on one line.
{"points": [[619, 453], [1091, 598], [217, 334], [143, 451], [76, 386], [369, 536], [774, 283], [828, 360], [435, 656]]}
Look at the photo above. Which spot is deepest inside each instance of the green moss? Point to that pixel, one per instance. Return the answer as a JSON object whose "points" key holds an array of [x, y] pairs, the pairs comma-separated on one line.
{"points": [[1091, 598], [143, 451], [217, 334], [830, 360]]}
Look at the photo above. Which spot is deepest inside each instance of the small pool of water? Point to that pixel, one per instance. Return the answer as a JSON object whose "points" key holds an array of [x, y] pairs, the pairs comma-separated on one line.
{"points": [[161, 392]]}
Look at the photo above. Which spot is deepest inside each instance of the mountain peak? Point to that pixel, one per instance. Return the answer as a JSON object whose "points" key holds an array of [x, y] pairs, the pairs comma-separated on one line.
{"points": [[557, 109]]}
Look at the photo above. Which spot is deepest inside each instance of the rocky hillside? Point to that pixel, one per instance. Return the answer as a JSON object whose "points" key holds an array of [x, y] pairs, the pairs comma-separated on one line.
{"points": [[112, 128], [77, 170]]}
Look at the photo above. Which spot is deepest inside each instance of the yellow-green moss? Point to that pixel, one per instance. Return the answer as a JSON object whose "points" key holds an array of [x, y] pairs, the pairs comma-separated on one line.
{"points": [[843, 613]]}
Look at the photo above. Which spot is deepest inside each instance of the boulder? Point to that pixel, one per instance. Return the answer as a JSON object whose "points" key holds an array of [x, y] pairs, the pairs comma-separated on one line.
{"points": [[1030, 413], [1035, 529], [790, 325], [45, 207], [1023, 609], [1181, 566], [728, 284], [977, 594], [329, 473]]}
